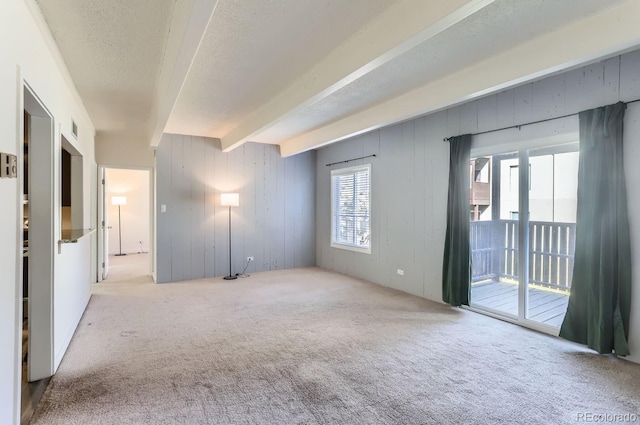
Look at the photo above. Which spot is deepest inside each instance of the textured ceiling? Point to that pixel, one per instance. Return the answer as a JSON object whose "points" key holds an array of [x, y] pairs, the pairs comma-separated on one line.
{"points": [[497, 27], [253, 49], [114, 50], [301, 73]]}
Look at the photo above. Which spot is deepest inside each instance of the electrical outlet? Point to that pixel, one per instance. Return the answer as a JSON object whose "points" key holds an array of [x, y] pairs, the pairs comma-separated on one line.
{"points": [[249, 259], [401, 272], [9, 165]]}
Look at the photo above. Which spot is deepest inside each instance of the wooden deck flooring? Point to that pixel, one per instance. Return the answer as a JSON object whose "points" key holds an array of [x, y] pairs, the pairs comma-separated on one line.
{"points": [[546, 307]]}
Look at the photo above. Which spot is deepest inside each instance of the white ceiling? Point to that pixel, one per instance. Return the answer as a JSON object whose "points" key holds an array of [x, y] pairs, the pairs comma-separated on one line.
{"points": [[254, 49], [303, 73], [114, 50]]}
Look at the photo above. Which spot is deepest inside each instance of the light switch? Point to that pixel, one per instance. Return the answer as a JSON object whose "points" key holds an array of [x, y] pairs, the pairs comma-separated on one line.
{"points": [[163, 208]]}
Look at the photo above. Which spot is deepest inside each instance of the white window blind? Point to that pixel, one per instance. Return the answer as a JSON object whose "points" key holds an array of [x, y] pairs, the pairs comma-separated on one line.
{"points": [[351, 208]]}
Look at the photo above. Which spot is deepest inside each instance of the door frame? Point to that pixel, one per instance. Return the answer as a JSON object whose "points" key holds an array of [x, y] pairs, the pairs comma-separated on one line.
{"points": [[41, 339], [102, 208], [520, 140]]}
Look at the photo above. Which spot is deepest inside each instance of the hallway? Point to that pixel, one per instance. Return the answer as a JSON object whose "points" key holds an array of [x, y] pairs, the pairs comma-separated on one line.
{"points": [[131, 268]]}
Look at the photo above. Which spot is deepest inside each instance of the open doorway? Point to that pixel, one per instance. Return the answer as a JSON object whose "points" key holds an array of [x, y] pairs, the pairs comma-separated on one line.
{"points": [[38, 212], [126, 237]]}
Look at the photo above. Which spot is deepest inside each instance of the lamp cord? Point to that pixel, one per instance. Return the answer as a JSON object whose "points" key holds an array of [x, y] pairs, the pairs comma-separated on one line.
{"points": [[244, 270]]}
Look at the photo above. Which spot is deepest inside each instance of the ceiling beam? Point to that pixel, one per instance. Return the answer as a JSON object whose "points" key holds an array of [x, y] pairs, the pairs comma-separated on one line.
{"points": [[401, 28], [189, 24], [612, 31]]}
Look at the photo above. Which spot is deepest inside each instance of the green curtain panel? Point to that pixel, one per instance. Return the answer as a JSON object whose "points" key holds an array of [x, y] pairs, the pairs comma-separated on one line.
{"points": [[456, 266], [599, 304]]}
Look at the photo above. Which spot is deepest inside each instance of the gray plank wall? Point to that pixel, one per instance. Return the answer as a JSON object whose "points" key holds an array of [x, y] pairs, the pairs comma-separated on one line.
{"points": [[275, 222], [410, 172]]}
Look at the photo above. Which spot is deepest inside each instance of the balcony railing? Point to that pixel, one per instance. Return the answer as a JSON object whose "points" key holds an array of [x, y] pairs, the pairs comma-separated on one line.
{"points": [[494, 252]]}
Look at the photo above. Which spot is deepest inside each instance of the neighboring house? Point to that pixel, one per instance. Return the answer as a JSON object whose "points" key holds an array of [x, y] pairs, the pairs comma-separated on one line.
{"points": [[553, 187]]}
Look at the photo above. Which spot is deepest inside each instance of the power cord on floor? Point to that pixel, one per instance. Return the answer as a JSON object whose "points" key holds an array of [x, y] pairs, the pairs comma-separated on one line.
{"points": [[242, 275]]}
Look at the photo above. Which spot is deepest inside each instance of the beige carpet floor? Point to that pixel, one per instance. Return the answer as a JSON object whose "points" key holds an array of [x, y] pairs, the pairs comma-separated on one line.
{"points": [[308, 346]]}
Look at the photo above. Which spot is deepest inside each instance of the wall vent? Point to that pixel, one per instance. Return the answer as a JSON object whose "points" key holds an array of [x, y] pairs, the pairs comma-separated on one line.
{"points": [[74, 129]]}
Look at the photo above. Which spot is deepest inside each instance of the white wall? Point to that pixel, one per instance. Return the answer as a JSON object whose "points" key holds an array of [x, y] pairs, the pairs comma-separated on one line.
{"points": [[410, 172], [124, 150], [26, 54], [134, 184]]}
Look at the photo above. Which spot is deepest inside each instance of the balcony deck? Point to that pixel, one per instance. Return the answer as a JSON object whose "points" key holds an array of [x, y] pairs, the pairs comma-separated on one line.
{"points": [[545, 306]]}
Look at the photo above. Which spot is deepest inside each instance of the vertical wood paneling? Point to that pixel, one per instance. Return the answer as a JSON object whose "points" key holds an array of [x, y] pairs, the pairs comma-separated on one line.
{"points": [[237, 184], [184, 231], [178, 224], [505, 116], [290, 213], [593, 86], [437, 172], [163, 197], [612, 79], [197, 206], [221, 226], [453, 121], [419, 207], [468, 118], [576, 98], [323, 209], [278, 217], [249, 208], [305, 241], [488, 113], [269, 187], [549, 97], [193, 234], [629, 76], [261, 262], [369, 145], [209, 208], [523, 104]]}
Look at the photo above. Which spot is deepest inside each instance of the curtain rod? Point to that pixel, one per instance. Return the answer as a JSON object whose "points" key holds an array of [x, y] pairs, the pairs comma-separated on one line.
{"points": [[349, 160], [446, 139]]}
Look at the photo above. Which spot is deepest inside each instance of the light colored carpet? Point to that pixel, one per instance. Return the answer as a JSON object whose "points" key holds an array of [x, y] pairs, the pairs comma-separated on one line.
{"points": [[308, 346]]}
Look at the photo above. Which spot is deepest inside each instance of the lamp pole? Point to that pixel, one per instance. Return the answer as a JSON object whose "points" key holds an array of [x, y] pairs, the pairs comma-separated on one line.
{"points": [[119, 233], [230, 200], [119, 201], [230, 277]]}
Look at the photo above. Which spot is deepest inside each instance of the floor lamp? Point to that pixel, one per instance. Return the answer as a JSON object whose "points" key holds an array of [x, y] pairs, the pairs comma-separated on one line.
{"points": [[119, 200], [230, 200]]}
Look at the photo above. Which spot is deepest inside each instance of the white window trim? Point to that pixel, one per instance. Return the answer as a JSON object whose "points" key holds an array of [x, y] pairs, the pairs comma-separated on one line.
{"points": [[342, 171]]}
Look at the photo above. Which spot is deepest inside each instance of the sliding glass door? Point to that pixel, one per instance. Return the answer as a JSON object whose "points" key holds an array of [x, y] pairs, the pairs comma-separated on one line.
{"points": [[522, 263]]}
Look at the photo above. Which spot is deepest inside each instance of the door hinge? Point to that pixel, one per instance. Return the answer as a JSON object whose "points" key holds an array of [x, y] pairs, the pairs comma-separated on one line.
{"points": [[103, 181], [103, 265], [103, 223]]}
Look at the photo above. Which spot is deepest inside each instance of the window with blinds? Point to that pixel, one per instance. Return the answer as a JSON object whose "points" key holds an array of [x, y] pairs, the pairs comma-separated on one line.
{"points": [[351, 208]]}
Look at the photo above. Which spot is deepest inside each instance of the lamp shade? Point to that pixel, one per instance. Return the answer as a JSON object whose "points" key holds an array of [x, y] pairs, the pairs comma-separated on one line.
{"points": [[119, 200], [230, 199]]}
